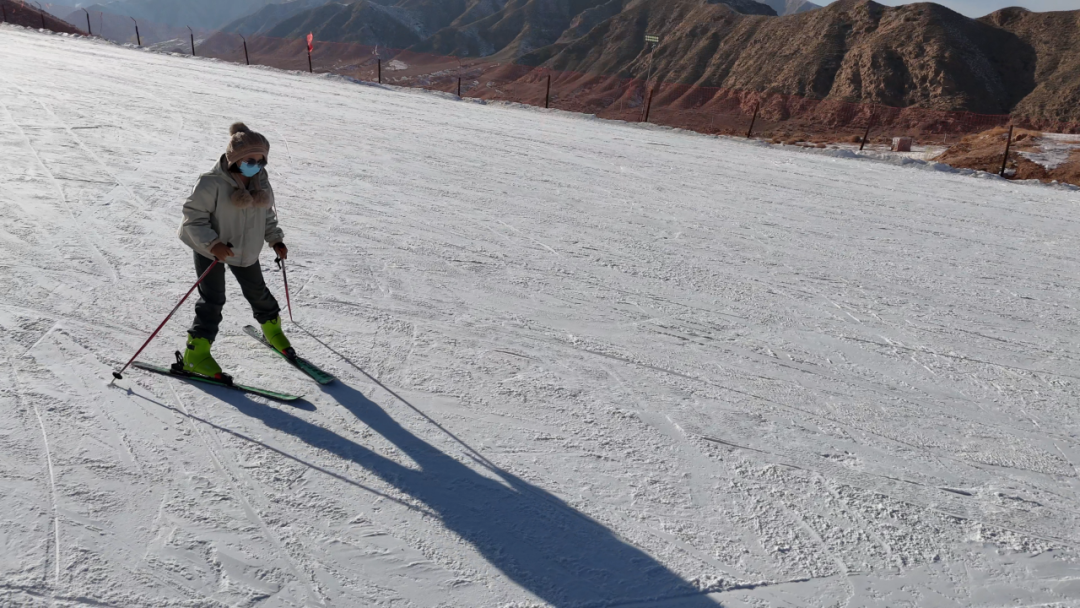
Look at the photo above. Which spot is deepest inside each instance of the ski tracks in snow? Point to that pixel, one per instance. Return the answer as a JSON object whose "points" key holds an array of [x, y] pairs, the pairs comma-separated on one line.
{"points": [[52, 478], [73, 226], [784, 377], [214, 449]]}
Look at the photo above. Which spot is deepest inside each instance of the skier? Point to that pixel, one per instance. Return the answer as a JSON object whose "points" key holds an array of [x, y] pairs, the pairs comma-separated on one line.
{"points": [[227, 217]]}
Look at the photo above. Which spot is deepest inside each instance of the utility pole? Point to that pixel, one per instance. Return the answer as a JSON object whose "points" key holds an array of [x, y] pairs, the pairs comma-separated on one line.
{"points": [[869, 125], [653, 42], [1008, 146]]}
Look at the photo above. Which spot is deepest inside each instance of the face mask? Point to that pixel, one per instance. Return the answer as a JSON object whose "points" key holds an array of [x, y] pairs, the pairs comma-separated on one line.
{"points": [[251, 169]]}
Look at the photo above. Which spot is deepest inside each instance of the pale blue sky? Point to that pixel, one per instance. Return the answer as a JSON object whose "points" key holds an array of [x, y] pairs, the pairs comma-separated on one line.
{"points": [[978, 8]]}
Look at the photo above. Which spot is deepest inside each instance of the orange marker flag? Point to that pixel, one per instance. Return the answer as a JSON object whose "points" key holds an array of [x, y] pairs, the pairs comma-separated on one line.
{"points": [[309, 39]]}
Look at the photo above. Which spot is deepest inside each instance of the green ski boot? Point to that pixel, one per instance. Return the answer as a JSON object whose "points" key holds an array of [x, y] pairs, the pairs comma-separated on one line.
{"points": [[273, 334], [198, 360]]}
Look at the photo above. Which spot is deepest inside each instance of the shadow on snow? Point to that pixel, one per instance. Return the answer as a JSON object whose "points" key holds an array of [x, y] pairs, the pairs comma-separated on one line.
{"points": [[531, 536]]}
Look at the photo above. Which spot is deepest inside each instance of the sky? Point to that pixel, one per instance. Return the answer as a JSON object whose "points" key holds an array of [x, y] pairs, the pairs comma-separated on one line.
{"points": [[978, 8]]}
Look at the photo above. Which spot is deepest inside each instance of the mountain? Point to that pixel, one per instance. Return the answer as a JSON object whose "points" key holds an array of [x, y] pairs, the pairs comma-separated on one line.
{"points": [[120, 28], [580, 364], [266, 18], [519, 28], [199, 14], [361, 22], [501, 29], [852, 50], [789, 7], [60, 8], [923, 55], [1053, 39]]}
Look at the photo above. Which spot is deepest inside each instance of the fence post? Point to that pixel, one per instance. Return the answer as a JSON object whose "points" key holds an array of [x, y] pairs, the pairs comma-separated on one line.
{"points": [[547, 95], [753, 120], [192, 40], [648, 105], [1005, 159], [247, 59], [459, 86], [380, 69], [869, 124], [138, 38], [41, 13]]}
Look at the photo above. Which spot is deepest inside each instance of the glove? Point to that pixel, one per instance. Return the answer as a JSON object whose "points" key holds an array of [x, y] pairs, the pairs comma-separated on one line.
{"points": [[222, 251], [281, 250]]}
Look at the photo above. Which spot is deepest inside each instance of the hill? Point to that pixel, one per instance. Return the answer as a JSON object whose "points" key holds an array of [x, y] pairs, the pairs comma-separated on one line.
{"points": [[199, 14], [265, 19], [121, 28], [1049, 44], [852, 50], [21, 13], [501, 29], [579, 363], [922, 55], [790, 7], [362, 22]]}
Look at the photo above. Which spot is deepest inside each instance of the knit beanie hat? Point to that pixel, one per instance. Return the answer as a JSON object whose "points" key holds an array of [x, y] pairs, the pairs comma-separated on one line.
{"points": [[244, 141]]}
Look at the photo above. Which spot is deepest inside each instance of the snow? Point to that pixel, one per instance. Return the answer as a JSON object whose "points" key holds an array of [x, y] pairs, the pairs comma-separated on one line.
{"points": [[581, 363], [885, 151], [1054, 149]]}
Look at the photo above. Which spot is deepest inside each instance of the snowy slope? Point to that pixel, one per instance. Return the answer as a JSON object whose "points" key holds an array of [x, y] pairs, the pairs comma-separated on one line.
{"points": [[615, 365]]}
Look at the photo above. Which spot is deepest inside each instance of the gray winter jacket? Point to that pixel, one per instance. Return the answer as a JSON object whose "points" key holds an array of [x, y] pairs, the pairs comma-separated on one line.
{"points": [[220, 210]]}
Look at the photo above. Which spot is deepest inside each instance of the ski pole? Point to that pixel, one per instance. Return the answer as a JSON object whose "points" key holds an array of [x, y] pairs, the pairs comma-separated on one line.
{"points": [[118, 375], [284, 277]]}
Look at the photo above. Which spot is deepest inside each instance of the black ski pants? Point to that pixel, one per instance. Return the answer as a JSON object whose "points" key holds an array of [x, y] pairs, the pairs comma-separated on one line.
{"points": [[212, 296]]}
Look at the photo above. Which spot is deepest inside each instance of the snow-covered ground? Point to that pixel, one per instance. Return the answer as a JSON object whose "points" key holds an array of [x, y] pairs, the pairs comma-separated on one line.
{"points": [[616, 365], [1054, 150], [884, 151]]}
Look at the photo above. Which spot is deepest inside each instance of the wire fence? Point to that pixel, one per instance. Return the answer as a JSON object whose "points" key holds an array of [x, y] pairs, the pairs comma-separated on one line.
{"points": [[713, 110]]}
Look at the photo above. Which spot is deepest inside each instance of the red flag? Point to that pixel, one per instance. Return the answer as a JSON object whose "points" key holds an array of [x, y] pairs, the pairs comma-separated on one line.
{"points": [[309, 38]]}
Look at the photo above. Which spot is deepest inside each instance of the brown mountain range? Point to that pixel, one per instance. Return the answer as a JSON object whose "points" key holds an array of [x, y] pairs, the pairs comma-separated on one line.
{"points": [[922, 55], [853, 50], [925, 55], [504, 29]]}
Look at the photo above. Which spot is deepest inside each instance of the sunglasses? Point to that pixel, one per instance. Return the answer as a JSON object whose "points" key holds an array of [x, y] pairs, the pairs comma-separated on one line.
{"points": [[254, 163]]}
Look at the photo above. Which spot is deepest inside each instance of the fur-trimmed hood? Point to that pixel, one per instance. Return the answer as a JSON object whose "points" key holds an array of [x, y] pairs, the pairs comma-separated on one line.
{"points": [[257, 194]]}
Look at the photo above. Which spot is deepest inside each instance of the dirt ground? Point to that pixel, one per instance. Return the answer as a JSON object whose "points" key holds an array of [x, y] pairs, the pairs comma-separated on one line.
{"points": [[984, 151]]}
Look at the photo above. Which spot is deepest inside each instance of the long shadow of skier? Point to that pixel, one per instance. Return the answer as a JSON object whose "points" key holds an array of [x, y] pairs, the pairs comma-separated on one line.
{"points": [[534, 538]]}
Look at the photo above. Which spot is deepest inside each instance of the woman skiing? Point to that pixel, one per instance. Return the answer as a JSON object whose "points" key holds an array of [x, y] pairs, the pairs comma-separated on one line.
{"points": [[228, 216]]}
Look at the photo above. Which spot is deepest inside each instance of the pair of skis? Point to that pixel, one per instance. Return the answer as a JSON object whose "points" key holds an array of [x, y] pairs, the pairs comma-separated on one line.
{"points": [[305, 366]]}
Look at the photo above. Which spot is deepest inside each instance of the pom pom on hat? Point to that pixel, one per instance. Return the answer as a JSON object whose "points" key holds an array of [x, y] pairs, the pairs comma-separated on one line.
{"points": [[243, 142]]}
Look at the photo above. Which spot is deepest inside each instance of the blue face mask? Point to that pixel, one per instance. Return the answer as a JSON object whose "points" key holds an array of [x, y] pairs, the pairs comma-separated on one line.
{"points": [[251, 168]]}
